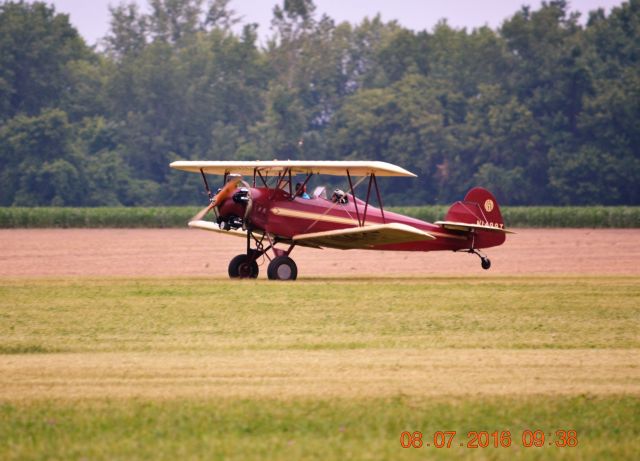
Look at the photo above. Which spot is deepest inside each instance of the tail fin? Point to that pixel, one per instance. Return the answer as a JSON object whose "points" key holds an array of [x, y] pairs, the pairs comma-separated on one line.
{"points": [[478, 214], [479, 207]]}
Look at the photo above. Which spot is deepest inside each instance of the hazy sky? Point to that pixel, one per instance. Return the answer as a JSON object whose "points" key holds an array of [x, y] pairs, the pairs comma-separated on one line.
{"points": [[91, 17]]}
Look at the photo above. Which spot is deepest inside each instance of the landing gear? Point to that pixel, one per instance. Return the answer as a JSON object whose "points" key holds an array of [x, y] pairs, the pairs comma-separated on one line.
{"points": [[244, 267], [282, 268], [485, 262]]}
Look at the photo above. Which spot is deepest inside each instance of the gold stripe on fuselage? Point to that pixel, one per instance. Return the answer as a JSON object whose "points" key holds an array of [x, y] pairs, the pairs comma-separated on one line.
{"points": [[338, 220], [313, 216]]}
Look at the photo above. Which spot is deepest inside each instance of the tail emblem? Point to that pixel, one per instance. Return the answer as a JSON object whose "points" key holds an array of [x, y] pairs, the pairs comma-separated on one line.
{"points": [[488, 205]]}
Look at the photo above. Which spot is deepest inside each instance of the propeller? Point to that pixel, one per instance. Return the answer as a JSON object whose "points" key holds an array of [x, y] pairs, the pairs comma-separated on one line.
{"points": [[202, 212], [220, 197]]}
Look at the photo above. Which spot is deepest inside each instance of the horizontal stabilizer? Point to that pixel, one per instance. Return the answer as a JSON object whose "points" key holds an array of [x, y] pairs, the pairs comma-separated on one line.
{"points": [[463, 226], [214, 227], [364, 237]]}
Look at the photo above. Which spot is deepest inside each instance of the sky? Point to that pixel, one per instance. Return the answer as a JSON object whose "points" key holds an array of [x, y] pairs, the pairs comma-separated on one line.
{"points": [[91, 17]]}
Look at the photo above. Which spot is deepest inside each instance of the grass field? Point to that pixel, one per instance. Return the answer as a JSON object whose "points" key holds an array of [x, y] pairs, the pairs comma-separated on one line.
{"points": [[318, 369]]}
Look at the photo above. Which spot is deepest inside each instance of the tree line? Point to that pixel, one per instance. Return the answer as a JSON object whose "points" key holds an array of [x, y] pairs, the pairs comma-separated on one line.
{"points": [[542, 110]]}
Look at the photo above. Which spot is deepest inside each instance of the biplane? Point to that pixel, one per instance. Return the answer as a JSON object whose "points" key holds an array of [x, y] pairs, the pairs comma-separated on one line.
{"points": [[259, 202]]}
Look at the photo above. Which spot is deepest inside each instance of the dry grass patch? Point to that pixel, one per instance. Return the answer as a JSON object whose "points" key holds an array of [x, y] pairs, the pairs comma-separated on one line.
{"points": [[320, 374]]}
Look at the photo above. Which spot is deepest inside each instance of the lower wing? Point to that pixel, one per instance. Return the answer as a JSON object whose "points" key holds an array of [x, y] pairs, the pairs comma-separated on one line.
{"points": [[214, 227], [364, 237]]}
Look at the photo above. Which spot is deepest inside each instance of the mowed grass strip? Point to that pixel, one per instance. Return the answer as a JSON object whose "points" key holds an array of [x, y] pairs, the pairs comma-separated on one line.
{"points": [[320, 374], [303, 429], [202, 315]]}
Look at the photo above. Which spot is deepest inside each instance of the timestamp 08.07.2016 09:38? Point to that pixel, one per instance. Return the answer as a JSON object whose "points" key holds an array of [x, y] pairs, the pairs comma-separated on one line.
{"points": [[559, 438]]}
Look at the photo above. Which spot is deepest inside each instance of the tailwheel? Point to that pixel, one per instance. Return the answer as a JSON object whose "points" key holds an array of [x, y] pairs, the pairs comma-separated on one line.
{"points": [[282, 268], [244, 267], [485, 262]]}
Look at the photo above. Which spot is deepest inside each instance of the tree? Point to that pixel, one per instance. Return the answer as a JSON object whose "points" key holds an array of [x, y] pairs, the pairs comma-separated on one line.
{"points": [[36, 45], [173, 21], [609, 124], [128, 31], [221, 16], [38, 165]]}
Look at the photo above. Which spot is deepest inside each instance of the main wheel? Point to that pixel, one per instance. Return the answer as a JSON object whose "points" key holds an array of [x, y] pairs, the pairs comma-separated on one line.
{"points": [[485, 262], [282, 268], [242, 266]]}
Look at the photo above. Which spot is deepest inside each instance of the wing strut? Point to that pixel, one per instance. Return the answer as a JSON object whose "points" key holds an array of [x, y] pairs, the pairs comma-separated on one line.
{"points": [[375, 181], [372, 180], [282, 180], [355, 202], [264, 181], [206, 184]]}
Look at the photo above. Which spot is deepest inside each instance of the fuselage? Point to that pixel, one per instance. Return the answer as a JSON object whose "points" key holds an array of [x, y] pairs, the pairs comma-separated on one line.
{"points": [[276, 212]]}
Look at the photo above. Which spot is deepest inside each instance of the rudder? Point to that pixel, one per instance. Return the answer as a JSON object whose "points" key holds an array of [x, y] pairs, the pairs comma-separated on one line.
{"points": [[488, 204], [479, 207]]}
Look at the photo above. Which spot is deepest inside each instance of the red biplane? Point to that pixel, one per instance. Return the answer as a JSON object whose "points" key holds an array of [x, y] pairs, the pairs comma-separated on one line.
{"points": [[271, 210]]}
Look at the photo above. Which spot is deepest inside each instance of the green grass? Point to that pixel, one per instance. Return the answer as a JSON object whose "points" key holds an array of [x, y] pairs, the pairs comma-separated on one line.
{"points": [[607, 428], [201, 314], [161, 217], [147, 368]]}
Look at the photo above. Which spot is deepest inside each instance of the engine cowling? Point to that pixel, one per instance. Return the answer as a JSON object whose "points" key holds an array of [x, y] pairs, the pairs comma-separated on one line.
{"points": [[232, 211]]}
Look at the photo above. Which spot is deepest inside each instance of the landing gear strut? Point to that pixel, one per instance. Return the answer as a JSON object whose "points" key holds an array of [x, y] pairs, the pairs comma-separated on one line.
{"points": [[484, 261], [281, 266]]}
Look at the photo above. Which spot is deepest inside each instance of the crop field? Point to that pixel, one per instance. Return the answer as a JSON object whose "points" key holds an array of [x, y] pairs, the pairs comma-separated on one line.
{"points": [[164, 217], [323, 368]]}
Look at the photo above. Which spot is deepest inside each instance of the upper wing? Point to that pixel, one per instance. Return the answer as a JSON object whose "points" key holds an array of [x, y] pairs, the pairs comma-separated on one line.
{"points": [[364, 237], [463, 226], [335, 168]]}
